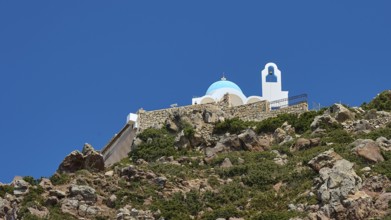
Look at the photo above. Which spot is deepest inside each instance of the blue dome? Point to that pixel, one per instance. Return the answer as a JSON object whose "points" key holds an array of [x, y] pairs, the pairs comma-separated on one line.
{"points": [[221, 85]]}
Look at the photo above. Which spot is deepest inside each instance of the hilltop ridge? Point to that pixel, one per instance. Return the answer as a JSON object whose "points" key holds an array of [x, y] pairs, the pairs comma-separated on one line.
{"points": [[334, 163]]}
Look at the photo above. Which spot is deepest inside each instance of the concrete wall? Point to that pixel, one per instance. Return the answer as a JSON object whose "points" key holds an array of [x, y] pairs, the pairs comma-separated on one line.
{"points": [[119, 147]]}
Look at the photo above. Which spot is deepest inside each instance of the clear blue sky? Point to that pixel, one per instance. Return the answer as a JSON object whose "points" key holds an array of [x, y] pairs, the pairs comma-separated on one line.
{"points": [[70, 71]]}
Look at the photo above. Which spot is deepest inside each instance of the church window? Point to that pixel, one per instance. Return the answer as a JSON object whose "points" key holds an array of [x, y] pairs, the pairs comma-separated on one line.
{"points": [[271, 77]]}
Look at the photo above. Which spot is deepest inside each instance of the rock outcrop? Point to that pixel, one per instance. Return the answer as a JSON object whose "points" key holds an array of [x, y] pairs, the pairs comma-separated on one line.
{"points": [[88, 159], [338, 188], [367, 149]]}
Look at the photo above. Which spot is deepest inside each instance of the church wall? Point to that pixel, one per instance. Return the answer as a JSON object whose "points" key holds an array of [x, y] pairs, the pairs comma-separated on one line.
{"points": [[256, 111]]}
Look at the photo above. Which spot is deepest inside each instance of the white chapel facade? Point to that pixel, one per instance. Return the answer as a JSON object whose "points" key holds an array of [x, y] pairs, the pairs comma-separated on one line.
{"points": [[271, 89]]}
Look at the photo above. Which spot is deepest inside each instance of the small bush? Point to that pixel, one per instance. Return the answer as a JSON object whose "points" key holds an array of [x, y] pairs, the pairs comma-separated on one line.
{"points": [[275, 215], [224, 212], [233, 126], [57, 214], [271, 124], [213, 181], [381, 132], [188, 129], [156, 143], [60, 179], [180, 206], [385, 166], [339, 136], [32, 199], [6, 189], [31, 180]]}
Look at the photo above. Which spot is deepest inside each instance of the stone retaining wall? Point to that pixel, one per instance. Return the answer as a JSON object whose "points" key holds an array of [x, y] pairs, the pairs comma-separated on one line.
{"points": [[257, 111]]}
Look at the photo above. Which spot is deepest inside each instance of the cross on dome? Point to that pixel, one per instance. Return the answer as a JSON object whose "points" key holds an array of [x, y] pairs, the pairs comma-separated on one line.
{"points": [[223, 78]]}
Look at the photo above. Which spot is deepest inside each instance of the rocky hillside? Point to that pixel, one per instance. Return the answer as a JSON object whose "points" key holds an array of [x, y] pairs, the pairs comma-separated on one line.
{"points": [[329, 164]]}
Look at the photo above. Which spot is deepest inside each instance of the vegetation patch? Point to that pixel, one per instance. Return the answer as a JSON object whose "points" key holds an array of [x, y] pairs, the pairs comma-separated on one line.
{"points": [[232, 126], [6, 189], [156, 143], [381, 102], [60, 179]]}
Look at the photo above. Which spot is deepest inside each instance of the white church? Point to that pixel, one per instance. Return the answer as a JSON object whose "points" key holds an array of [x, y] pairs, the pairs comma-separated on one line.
{"points": [[271, 89], [120, 145]]}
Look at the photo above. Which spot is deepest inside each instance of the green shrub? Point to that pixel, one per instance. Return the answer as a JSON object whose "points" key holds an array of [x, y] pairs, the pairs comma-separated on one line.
{"points": [[224, 212], [60, 178], [339, 136], [156, 143], [31, 180], [232, 126], [381, 132], [32, 199], [385, 166], [230, 193], [275, 215], [213, 181], [6, 189], [180, 206], [382, 102], [57, 214], [237, 170], [269, 125], [263, 175], [302, 124], [188, 129]]}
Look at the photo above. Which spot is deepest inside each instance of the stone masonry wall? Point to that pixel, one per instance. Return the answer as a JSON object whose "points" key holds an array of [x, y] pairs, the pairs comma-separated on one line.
{"points": [[257, 111]]}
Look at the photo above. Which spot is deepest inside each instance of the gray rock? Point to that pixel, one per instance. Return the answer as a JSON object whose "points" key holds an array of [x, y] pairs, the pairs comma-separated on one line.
{"points": [[367, 149], [325, 159], [250, 141], [72, 163], [40, 212], [323, 120], [20, 187], [170, 124], [161, 181], [57, 193], [226, 163], [87, 148], [87, 192], [46, 184], [86, 210], [111, 201], [128, 171], [69, 205], [341, 113], [362, 126], [89, 159], [4, 204], [279, 135], [52, 200]]}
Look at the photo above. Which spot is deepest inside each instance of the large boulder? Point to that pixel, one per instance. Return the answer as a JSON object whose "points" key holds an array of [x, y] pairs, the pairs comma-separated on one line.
{"points": [[226, 163], [362, 126], [338, 189], [325, 159], [341, 113], [20, 186], [86, 192], [72, 162], [303, 143], [367, 149], [322, 121], [4, 207], [88, 159], [250, 141], [93, 161]]}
